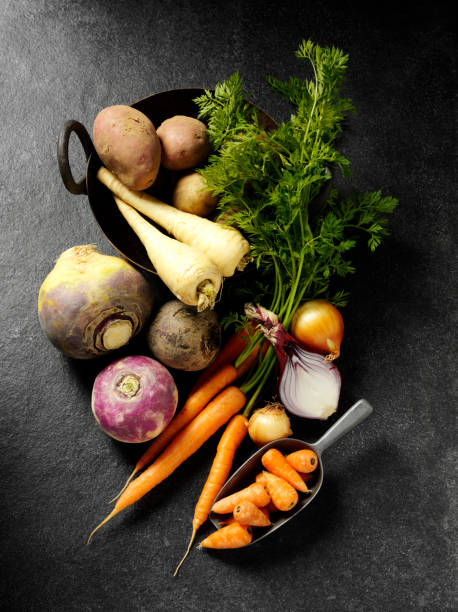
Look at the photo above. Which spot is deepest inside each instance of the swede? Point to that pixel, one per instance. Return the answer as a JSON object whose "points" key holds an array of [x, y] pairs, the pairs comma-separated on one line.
{"points": [[91, 304], [134, 399], [186, 271], [224, 245]]}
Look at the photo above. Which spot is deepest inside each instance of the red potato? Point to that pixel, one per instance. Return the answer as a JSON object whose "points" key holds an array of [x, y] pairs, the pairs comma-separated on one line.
{"points": [[184, 142], [127, 143]]}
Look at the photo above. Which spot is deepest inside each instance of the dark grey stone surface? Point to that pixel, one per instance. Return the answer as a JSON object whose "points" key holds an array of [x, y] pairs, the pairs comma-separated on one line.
{"points": [[381, 535]]}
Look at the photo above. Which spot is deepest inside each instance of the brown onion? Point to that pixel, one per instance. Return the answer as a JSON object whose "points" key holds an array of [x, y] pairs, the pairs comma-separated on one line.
{"points": [[318, 326], [269, 423]]}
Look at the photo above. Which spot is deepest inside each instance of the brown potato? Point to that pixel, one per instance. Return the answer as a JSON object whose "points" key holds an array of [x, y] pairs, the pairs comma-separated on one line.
{"points": [[127, 144], [184, 142], [190, 195]]}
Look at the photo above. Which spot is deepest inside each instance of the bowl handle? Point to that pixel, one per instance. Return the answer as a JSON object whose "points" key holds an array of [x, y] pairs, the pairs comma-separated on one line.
{"points": [[62, 154], [353, 417]]}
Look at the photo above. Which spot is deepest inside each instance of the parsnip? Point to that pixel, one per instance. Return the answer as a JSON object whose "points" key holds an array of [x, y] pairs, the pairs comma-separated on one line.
{"points": [[224, 245], [187, 272]]}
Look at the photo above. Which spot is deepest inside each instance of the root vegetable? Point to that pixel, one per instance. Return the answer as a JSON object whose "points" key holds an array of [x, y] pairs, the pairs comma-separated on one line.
{"points": [[234, 535], [188, 273], [134, 399], [192, 195], [184, 142], [127, 143], [223, 245], [91, 304], [182, 338]]}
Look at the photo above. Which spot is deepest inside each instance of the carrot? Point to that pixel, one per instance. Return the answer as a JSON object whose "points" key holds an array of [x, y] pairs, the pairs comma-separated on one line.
{"points": [[305, 460], [247, 513], [224, 406], [228, 354], [231, 439], [275, 463], [230, 536], [191, 408], [283, 495], [255, 492]]}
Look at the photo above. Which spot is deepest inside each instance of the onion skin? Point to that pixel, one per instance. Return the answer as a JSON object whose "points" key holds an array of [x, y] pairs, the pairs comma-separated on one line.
{"points": [[91, 304], [318, 326], [134, 399], [268, 424]]}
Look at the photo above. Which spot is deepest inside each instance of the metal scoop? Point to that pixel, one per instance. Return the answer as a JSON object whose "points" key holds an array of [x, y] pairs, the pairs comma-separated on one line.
{"points": [[247, 472]]}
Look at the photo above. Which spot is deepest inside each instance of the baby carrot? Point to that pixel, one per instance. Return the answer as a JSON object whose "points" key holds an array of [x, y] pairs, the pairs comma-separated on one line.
{"points": [[275, 463], [231, 439], [247, 513], [224, 406], [193, 405], [283, 495], [230, 536], [255, 492], [305, 460]]}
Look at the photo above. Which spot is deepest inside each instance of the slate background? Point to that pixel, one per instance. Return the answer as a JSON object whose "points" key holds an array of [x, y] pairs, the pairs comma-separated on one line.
{"points": [[380, 536]]}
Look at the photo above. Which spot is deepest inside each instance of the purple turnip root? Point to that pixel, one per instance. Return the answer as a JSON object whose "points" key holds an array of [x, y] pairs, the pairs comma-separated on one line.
{"points": [[134, 399], [91, 304]]}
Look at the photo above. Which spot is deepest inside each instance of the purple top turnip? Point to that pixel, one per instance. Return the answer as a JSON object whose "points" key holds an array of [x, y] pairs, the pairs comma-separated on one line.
{"points": [[134, 399]]}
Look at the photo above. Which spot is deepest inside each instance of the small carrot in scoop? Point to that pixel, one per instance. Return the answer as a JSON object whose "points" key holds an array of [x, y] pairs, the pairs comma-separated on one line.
{"points": [[234, 535], [305, 460], [275, 463], [247, 513], [255, 492], [283, 495]]}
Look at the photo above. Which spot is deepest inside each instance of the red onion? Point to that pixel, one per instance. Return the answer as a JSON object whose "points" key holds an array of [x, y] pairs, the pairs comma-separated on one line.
{"points": [[309, 384]]}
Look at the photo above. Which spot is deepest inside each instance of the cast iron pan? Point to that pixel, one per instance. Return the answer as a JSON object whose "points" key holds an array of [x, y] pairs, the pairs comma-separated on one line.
{"points": [[157, 107]]}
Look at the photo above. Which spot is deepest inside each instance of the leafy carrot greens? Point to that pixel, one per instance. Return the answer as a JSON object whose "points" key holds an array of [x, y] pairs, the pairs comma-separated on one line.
{"points": [[268, 183]]}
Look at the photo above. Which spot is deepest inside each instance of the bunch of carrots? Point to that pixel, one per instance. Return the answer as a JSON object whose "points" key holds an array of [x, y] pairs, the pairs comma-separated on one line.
{"points": [[214, 401]]}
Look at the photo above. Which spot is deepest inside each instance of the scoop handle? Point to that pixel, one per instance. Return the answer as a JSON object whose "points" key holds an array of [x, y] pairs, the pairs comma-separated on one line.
{"points": [[353, 417]]}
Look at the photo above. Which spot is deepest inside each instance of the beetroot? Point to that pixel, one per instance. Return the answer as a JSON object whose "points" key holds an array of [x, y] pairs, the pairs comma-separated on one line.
{"points": [[134, 399]]}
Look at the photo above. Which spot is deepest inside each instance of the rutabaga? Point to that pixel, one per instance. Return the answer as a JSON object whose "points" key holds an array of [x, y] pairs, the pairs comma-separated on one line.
{"points": [[91, 304]]}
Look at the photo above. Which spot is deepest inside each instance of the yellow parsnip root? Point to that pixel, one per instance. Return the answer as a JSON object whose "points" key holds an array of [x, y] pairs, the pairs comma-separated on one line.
{"points": [[187, 272], [224, 245]]}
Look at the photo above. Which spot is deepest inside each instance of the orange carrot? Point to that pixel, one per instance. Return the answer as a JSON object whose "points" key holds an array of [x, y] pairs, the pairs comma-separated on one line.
{"points": [[224, 406], [255, 492], [229, 353], [231, 439], [230, 536], [275, 463], [283, 495], [305, 460], [193, 405], [247, 513]]}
